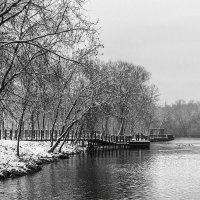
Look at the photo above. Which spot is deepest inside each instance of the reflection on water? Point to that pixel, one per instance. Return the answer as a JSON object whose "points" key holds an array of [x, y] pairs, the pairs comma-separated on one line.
{"points": [[166, 171]]}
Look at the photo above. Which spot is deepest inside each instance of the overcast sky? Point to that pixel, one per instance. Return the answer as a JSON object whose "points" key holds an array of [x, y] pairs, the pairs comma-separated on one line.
{"points": [[161, 35]]}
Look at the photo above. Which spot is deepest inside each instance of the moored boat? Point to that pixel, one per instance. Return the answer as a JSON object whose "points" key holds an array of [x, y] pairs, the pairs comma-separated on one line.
{"points": [[158, 135]]}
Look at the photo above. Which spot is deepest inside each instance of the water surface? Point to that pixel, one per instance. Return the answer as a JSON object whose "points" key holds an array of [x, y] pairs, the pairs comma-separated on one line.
{"points": [[167, 171]]}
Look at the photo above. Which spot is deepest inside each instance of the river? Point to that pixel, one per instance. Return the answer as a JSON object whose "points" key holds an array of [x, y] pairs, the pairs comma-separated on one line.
{"points": [[167, 171]]}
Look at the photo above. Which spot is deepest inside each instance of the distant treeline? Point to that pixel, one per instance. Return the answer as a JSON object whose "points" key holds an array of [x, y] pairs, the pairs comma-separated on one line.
{"points": [[180, 118]]}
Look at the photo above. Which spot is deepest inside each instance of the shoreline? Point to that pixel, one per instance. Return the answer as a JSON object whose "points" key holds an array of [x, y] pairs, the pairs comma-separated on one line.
{"points": [[33, 155]]}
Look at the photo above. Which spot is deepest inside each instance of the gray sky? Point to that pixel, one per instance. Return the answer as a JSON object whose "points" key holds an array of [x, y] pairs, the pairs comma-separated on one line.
{"points": [[161, 35]]}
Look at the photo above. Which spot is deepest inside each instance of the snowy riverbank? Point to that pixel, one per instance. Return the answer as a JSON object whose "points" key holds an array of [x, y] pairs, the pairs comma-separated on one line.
{"points": [[32, 156]]}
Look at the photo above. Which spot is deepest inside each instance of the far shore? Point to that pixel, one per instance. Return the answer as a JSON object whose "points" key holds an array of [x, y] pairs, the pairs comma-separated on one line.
{"points": [[32, 156]]}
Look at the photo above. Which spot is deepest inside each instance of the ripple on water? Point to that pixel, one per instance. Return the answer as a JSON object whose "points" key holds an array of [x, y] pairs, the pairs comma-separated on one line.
{"points": [[166, 171]]}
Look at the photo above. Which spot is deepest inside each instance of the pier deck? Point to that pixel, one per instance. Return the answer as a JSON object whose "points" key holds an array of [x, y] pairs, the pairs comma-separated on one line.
{"points": [[92, 140]]}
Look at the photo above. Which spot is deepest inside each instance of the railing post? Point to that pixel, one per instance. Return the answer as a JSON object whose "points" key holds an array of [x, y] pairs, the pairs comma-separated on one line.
{"points": [[46, 134], [36, 133], [25, 134], [41, 134], [32, 134], [5, 134], [11, 133], [15, 136]]}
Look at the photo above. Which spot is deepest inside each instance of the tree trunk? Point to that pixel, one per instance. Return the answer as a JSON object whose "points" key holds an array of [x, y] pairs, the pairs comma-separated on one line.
{"points": [[32, 124], [43, 121], [120, 132], [20, 128], [106, 125], [64, 140], [78, 133], [3, 125], [103, 129], [54, 123], [62, 134], [38, 121], [60, 138]]}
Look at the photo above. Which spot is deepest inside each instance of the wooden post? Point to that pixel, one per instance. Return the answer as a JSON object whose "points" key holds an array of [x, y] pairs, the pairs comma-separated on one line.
{"points": [[36, 132], [5, 134], [29, 134], [47, 134], [11, 133], [25, 135], [15, 136], [41, 134], [33, 135], [38, 135]]}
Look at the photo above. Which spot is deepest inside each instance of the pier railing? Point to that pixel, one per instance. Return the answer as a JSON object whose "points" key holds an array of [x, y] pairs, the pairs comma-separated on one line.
{"points": [[45, 135]]}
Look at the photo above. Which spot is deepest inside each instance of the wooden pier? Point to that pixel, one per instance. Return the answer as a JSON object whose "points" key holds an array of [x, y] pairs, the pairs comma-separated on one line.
{"points": [[91, 140], [125, 144]]}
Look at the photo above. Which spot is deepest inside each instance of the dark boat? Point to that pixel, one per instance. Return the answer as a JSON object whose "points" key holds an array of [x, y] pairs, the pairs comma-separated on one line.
{"points": [[158, 135]]}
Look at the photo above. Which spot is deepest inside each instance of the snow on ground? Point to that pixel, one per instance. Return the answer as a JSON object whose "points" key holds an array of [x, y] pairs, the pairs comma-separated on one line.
{"points": [[32, 154]]}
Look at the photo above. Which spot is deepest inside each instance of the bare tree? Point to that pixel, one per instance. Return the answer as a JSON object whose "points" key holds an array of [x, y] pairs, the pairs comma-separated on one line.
{"points": [[131, 96], [58, 28]]}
